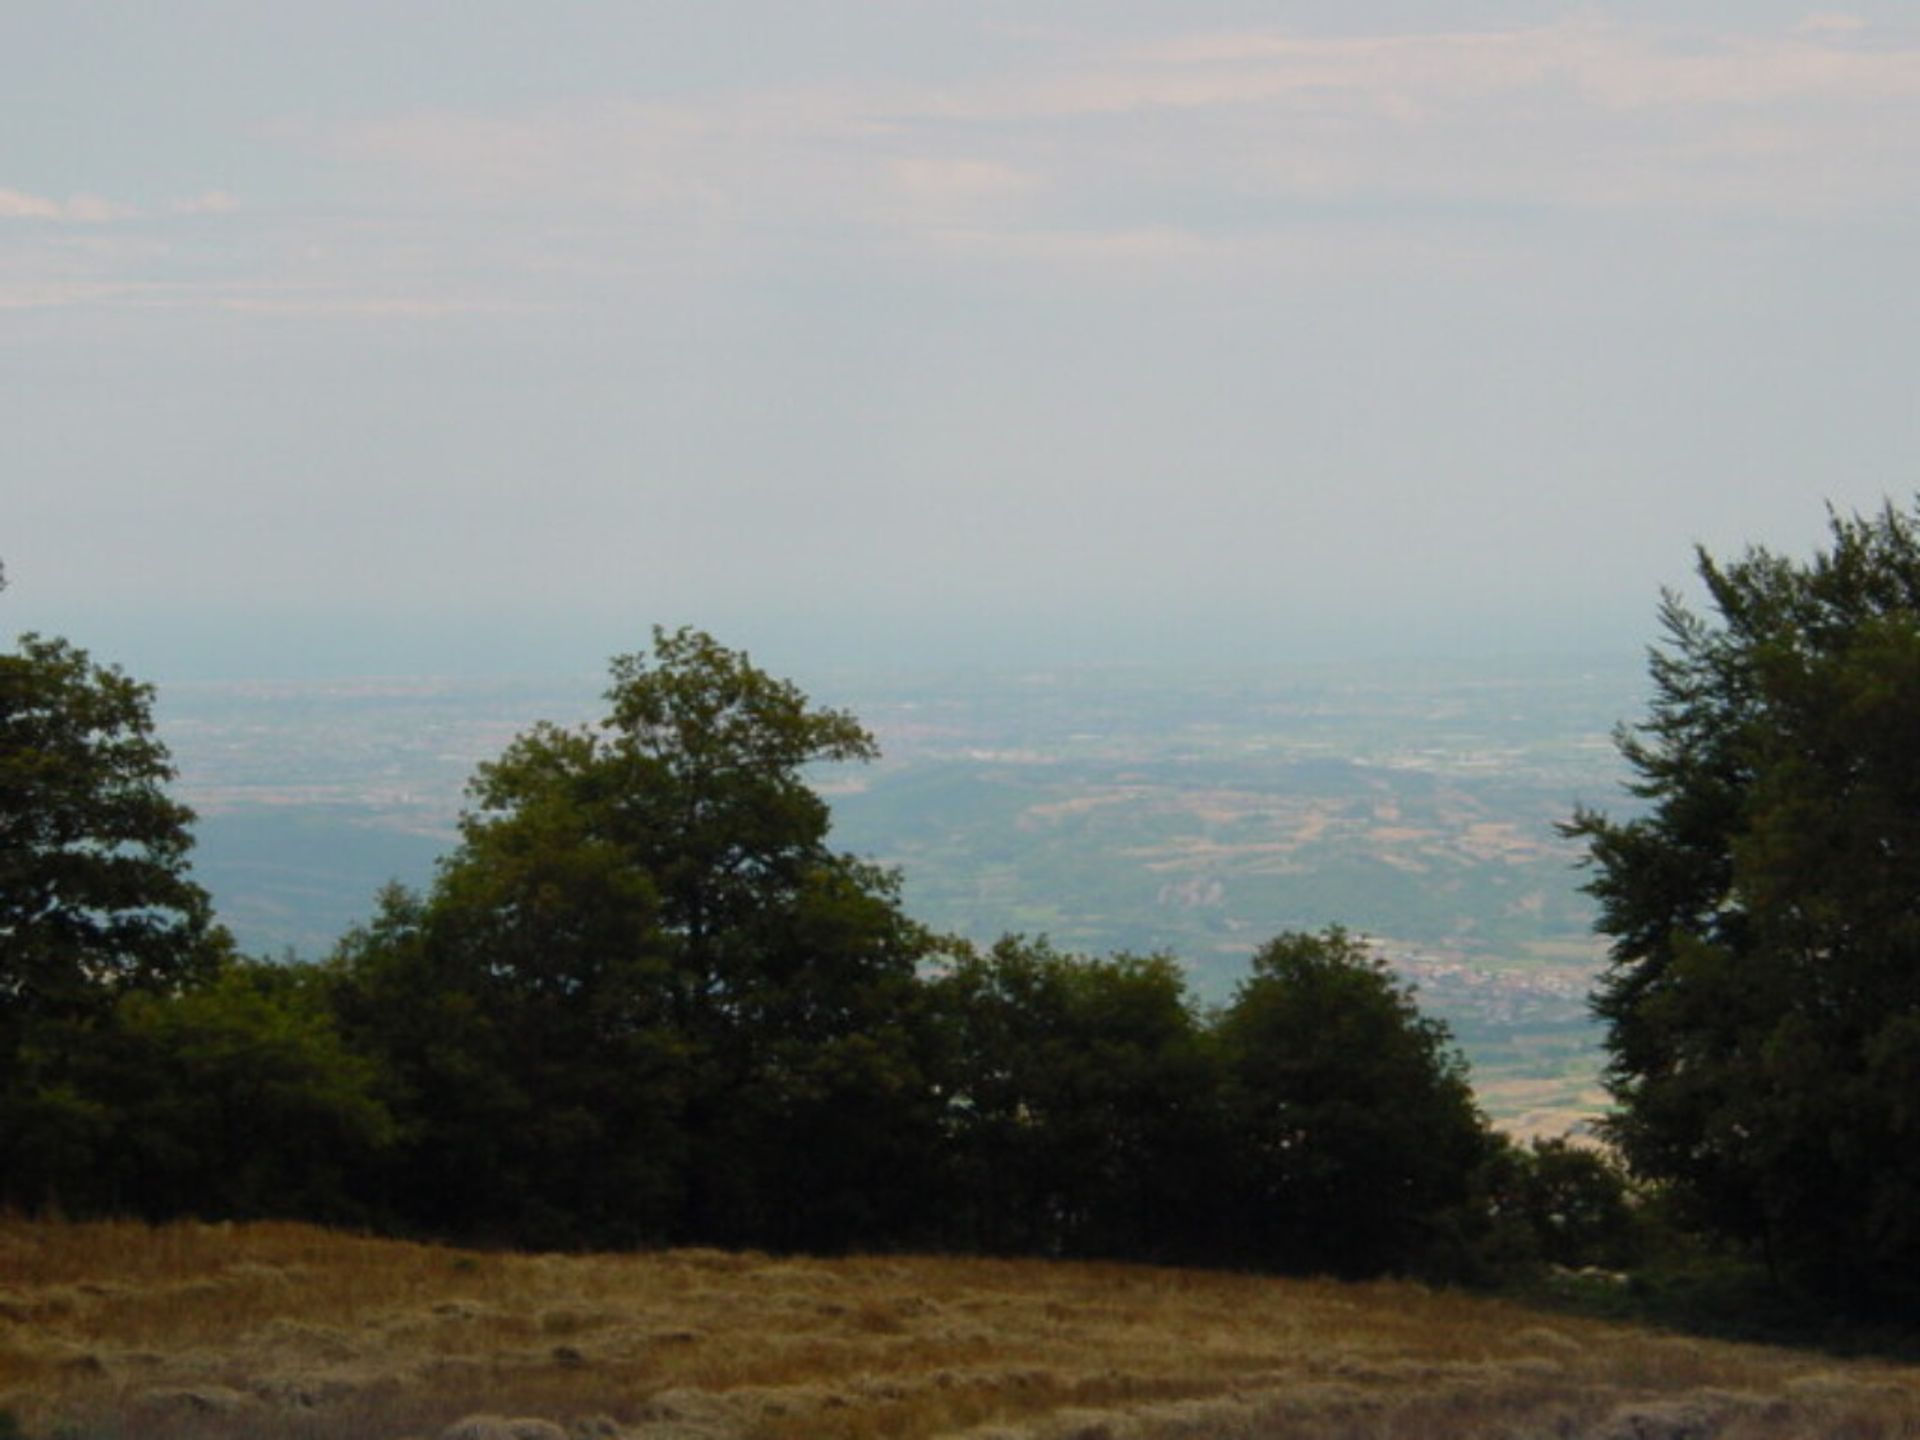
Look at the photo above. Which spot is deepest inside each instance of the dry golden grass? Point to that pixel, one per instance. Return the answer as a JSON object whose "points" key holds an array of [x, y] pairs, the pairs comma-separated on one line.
{"points": [[120, 1330]]}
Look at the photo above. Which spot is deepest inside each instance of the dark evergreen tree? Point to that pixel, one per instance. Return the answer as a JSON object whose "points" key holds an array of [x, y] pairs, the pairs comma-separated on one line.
{"points": [[1763, 1000]]}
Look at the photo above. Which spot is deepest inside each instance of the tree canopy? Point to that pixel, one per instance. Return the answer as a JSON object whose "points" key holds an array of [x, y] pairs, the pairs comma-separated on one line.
{"points": [[1080, 1105], [96, 901], [95, 894], [1763, 999], [1350, 1111], [646, 1001], [645, 998]]}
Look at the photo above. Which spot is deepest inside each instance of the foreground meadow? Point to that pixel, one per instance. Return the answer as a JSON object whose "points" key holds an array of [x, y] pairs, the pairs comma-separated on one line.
{"points": [[280, 1330]]}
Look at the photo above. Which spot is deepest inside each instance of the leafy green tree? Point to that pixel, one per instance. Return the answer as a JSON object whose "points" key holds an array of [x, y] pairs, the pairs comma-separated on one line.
{"points": [[95, 896], [1763, 999], [236, 1099], [470, 1162], [663, 1006], [1557, 1202], [1357, 1137], [1080, 1105]]}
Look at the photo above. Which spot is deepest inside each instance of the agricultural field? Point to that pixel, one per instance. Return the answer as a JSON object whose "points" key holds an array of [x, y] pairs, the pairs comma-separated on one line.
{"points": [[286, 1332]]}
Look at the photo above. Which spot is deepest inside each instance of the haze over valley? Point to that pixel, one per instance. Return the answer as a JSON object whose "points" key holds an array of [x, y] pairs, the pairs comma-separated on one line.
{"points": [[1190, 809], [826, 720]]}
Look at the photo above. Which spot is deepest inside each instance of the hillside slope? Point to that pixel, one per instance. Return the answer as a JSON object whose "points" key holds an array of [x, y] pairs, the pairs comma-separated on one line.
{"points": [[289, 1331]]}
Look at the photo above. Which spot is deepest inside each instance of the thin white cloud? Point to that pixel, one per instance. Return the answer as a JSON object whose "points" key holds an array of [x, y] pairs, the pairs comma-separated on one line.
{"points": [[207, 202], [58, 294], [1278, 254], [944, 181], [1244, 148], [379, 307], [613, 152], [1575, 113], [1153, 246], [1833, 22], [1613, 66], [17, 205], [264, 299], [83, 208]]}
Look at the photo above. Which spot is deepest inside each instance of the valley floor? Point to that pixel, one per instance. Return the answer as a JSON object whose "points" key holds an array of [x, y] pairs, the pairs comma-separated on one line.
{"points": [[296, 1333]]}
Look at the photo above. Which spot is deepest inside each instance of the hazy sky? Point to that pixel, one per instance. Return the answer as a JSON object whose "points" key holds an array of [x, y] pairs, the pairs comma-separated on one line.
{"points": [[449, 335]]}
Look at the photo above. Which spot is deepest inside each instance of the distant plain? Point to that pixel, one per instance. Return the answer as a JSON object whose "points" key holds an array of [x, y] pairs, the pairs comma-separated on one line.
{"points": [[1197, 811]]}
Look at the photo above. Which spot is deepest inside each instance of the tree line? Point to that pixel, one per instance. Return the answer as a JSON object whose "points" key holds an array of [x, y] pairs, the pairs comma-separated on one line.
{"points": [[644, 1001]]}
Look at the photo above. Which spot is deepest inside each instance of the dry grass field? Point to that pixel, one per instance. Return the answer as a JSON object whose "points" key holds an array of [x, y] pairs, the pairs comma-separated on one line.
{"points": [[285, 1331]]}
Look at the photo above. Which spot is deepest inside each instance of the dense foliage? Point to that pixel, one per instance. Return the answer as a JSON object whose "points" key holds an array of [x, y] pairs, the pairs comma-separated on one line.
{"points": [[1353, 1124], [646, 1001], [1763, 1003], [95, 896], [1081, 1105], [96, 902]]}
